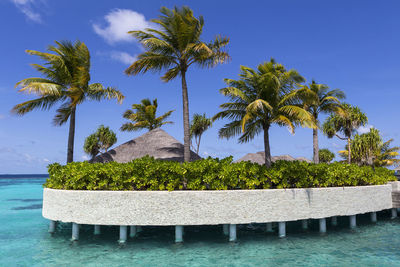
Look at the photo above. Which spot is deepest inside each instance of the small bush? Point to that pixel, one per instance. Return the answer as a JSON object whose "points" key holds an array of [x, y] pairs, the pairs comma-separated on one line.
{"points": [[148, 173]]}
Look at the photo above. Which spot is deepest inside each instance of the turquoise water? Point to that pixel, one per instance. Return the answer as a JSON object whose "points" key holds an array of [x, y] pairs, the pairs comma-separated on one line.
{"points": [[24, 241]]}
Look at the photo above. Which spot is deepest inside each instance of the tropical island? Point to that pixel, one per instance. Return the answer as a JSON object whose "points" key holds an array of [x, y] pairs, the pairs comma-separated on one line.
{"points": [[121, 186]]}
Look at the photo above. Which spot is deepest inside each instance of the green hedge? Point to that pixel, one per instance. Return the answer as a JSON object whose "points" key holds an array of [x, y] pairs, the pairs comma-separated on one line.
{"points": [[209, 174]]}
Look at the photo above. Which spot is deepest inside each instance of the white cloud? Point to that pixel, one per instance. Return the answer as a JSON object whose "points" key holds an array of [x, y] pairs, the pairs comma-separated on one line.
{"points": [[84, 157], [119, 22], [123, 57], [27, 7], [364, 129]]}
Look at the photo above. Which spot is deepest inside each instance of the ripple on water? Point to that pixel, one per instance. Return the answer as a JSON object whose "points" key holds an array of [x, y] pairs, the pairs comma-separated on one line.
{"points": [[24, 241]]}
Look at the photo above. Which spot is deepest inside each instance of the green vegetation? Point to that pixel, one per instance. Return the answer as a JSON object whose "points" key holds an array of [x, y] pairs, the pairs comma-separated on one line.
{"points": [[67, 72], [143, 116], [259, 99], [325, 155], [369, 149], [91, 146], [199, 124], [317, 99], [100, 141], [210, 174], [174, 46], [346, 122]]}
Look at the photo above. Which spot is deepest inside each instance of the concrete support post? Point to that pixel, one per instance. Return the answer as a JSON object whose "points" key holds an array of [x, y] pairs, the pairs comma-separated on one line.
{"points": [[373, 217], [394, 213], [269, 227], [282, 229], [225, 229], [304, 224], [334, 221], [178, 234], [52, 227], [132, 231], [123, 234], [75, 231], [353, 222], [97, 230], [232, 232], [322, 225]]}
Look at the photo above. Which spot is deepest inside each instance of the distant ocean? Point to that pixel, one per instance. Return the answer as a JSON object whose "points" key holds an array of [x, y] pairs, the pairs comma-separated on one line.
{"points": [[24, 240]]}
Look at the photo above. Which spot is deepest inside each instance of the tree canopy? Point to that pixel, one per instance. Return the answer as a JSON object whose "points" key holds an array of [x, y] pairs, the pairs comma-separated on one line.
{"points": [[143, 116], [259, 99]]}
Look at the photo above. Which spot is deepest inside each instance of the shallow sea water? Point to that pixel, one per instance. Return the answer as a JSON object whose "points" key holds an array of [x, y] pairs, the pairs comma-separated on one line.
{"points": [[24, 241]]}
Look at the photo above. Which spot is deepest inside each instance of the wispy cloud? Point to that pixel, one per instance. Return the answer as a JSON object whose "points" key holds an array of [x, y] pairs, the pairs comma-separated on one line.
{"points": [[27, 7], [123, 57], [118, 23], [364, 129]]}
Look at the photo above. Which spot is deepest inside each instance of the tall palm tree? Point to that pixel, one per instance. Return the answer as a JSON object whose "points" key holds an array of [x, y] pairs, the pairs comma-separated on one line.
{"points": [[200, 124], [346, 122], [67, 75], [317, 98], [259, 99], [174, 46], [143, 116]]}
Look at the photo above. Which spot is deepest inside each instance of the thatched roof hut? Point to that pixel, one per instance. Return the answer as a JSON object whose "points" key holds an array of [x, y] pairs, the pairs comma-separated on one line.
{"points": [[156, 143], [259, 158]]}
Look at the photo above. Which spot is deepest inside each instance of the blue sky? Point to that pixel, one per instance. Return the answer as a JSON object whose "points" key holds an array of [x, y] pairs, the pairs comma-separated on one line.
{"points": [[351, 45]]}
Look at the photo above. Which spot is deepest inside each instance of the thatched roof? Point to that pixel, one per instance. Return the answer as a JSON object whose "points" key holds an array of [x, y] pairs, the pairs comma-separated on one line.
{"points": [[259, 158], [156, 143]]}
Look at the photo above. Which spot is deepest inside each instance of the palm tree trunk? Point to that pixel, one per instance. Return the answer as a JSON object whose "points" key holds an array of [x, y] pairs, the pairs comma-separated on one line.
{"points": [[71, 137], [198, 145], [186, 127], [267, 149], [349, 146], [315, 146]]}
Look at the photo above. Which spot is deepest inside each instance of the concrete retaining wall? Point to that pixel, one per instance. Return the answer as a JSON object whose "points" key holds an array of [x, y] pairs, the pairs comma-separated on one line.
{"points": [[211, 207]]}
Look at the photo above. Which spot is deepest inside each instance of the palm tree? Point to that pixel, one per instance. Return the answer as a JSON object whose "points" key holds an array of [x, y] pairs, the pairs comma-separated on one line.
{"points": [[174, 46], [99, 141], [317, 98], [387, 156], [107, 137], [369, 149], [92, 145], [259, 99], [346, 122], [200, 124], [67, 76], [143, 116]]}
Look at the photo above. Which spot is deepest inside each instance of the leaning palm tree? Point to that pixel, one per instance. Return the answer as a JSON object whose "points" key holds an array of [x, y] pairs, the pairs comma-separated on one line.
{"points": [[67, 75], [143, 116], [200, 124], [174, 46], [346, 122], [317, 99], [259, 99]]}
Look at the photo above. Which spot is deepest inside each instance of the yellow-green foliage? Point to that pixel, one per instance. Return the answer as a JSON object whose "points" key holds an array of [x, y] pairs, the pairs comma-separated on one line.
{"points": [[209, 174]]}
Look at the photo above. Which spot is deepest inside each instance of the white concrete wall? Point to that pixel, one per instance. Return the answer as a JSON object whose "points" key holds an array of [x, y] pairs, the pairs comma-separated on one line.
{"points": [[211, 207]]}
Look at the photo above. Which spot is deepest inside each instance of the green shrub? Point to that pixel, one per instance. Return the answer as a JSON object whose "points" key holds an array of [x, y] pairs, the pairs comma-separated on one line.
{"points": [[209, 174]]}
